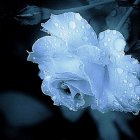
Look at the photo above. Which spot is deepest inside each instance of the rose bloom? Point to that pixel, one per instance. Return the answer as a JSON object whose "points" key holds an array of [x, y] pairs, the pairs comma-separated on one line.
{"points": [[80, 70]]}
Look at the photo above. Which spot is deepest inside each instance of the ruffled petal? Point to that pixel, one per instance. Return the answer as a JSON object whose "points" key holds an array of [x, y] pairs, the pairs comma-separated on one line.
{"points": [[128, 64], [121, 92], [112, 42], [95, 75], [82, 85], [92, 54], [53, 88], [72, 28], [68, 63], [46, 48]]}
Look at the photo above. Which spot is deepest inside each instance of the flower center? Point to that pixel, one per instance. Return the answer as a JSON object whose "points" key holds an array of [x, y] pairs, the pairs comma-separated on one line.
{"points": [[77, 96], [65, 88]]}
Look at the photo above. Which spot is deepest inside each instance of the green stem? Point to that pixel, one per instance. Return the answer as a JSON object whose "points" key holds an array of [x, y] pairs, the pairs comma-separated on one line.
{"points": [[125, 17], [82, 8]]}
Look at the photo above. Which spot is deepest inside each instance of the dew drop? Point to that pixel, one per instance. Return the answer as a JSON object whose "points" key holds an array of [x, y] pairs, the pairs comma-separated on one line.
{"points": [[130, 85], [135, 62], [77, 31], [54, 98], [72, 25], [119, 44], [42, 24], [125, 81], [114, 32], [88, 26], [78, 17], [108, 39], [93, 34], [47, 77], [33, 58], [61, 34], [83, 27], [119, 70], [101, 36], [112, 59], [56, 24], [108, 31]]}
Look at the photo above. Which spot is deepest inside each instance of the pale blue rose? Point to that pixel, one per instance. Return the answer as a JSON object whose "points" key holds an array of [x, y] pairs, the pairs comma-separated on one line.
{"points": [[79, 70]]}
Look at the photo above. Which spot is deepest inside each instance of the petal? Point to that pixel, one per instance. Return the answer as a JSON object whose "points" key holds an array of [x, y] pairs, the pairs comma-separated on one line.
{"points": [[127, 63], [124, 96], [112, 42], [82, 85], [72, 28], [95, 76], [52, 88], [92, 54], [47, 47], [66, 64]]}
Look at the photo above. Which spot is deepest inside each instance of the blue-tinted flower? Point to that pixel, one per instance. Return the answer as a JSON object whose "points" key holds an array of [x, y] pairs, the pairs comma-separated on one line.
{"points": [[79, 70]]}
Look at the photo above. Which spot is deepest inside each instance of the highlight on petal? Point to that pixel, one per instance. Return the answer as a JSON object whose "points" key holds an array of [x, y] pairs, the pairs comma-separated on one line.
{"points": [[72, 28]]}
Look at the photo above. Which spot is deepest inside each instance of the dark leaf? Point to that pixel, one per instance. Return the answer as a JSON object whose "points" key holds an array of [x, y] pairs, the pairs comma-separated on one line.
{"points": [[32, 15], [22, 110], [125, 3], [128, 3]]}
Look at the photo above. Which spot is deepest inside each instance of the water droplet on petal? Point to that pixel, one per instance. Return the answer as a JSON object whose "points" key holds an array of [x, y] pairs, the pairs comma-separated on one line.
{"points": [[72, 25], [135, 62], [130, 85], [78, 17], [108, 39], [119, 70], [125, 81], [76, 30], [101, 36], [47, 77], [54, 98], [108, 31], [83, 27], [88, 26], [56, 24], [119, 44], [93, 34], [114, 32]]}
